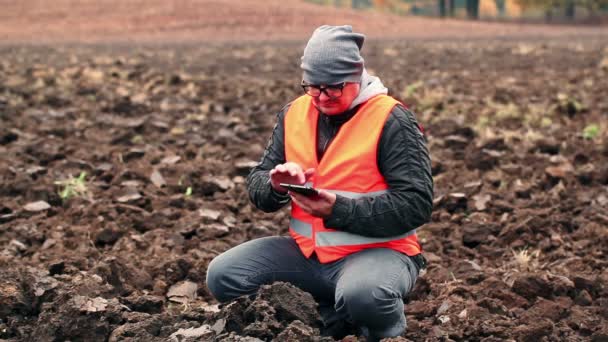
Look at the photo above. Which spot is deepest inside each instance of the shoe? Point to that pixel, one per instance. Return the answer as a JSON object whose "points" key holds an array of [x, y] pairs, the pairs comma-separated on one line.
{"points": [[338, 329]]}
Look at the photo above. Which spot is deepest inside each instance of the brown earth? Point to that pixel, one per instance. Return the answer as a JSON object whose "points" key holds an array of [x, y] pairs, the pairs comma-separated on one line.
{"points": [[151, 21], [518, 242], [166, 134]]}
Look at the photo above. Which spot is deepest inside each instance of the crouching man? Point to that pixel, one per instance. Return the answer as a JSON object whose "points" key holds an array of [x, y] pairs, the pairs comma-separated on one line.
{"points": [[353, 245]]}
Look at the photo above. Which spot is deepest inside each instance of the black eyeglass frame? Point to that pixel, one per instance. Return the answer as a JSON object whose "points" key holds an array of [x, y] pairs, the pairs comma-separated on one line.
{"points": [[323, 89]]}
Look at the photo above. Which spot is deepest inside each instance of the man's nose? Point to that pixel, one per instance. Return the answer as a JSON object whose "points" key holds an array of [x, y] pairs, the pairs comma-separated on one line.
{"points": [[323, 96]]}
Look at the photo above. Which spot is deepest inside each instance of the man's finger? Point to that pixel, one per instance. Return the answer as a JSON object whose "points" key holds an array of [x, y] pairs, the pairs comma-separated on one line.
{"points": [[327, 197], [292, 166], [296, 171], [280, 168], [296, 196], [292, 169], [299, 203], [323, 194], [308, 174], [301, 198]]}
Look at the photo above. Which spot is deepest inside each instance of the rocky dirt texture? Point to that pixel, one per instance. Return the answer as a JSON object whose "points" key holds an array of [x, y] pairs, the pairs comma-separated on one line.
{"points": [[122, 175]]}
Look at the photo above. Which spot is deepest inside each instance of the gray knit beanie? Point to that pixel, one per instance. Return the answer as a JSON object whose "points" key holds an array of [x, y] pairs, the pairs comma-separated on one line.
{"points": [[332, 56]]}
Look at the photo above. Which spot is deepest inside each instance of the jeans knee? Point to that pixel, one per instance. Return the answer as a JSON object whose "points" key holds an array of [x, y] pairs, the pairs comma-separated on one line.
{"points": [[365, 303], [217, 279]]}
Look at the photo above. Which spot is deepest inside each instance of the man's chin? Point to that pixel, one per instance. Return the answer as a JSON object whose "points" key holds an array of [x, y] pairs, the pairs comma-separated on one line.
{"points": [[330, 110]]}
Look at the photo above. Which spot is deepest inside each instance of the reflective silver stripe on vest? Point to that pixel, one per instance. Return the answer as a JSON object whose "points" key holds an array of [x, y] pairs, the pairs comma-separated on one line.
{"points": [[324, 239], [353, 195], [356, 195], [301, 227]]}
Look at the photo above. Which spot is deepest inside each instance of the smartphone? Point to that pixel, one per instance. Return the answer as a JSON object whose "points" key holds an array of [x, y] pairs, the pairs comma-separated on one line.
{"points": [[301, 189]]}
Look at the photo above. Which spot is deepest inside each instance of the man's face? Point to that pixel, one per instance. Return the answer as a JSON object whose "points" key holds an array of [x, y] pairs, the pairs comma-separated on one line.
{"points": [[333, 106]]}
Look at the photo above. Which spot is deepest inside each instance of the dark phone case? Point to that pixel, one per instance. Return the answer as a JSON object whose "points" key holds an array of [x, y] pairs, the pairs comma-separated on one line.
{"points": [[300, 189]]}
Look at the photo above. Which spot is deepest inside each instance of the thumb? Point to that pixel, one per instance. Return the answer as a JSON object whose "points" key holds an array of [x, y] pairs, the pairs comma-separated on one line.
{"points": [[309, 173], [326, 195]]}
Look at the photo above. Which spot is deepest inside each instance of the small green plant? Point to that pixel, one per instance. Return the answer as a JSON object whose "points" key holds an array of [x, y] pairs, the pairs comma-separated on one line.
{"points": [[411, 89], [591, 131], [546, 122], [188, 192], [507, 112], [72, 187], [482, 122], [137, 139]]}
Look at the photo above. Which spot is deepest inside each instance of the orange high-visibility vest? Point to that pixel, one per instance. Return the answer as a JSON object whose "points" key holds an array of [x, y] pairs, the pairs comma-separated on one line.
{"points": [[348, 168]]}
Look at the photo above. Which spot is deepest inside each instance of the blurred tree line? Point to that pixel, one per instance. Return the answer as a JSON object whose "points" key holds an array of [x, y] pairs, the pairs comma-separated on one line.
{"points": [[551, 9], [566, 8]]}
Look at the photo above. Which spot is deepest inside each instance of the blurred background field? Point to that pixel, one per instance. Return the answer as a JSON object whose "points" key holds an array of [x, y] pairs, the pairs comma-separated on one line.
{"points": [[127, 129], [30, 21]]}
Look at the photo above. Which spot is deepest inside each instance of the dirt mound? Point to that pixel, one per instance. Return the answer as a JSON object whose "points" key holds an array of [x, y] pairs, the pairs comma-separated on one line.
{"points": [[83, 312], [280, 312], [122, 176]]}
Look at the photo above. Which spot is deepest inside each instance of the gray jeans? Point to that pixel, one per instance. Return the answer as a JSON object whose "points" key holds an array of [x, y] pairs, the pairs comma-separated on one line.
{"points": [[365, 289]]}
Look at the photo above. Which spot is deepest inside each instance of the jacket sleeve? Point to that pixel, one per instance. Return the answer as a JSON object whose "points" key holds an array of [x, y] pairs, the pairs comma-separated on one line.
{"points": [[404, 161], [261, 193]]}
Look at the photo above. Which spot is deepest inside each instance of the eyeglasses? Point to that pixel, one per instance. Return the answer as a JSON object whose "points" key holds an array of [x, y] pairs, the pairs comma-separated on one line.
{"points": [[333, 91]]}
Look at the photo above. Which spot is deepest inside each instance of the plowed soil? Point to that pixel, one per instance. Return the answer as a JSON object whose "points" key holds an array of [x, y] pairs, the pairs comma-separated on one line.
{"points": [[166, 134]]}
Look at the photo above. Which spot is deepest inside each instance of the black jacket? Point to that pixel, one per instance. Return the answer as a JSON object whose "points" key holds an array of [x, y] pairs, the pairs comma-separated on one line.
{"points": [[403, 160]]}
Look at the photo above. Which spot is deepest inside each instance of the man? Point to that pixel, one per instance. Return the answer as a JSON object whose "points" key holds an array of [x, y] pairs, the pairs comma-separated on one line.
{"points": [[353, 246]]}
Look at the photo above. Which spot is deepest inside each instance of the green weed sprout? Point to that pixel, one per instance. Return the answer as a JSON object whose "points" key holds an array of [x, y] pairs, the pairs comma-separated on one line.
{"points": [[74, 187], [411, 89], [591, 131], [188, 192]]}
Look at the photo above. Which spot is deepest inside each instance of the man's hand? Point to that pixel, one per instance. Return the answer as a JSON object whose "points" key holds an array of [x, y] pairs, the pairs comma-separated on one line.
{"points": [[289, 172], [318, 206]]}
